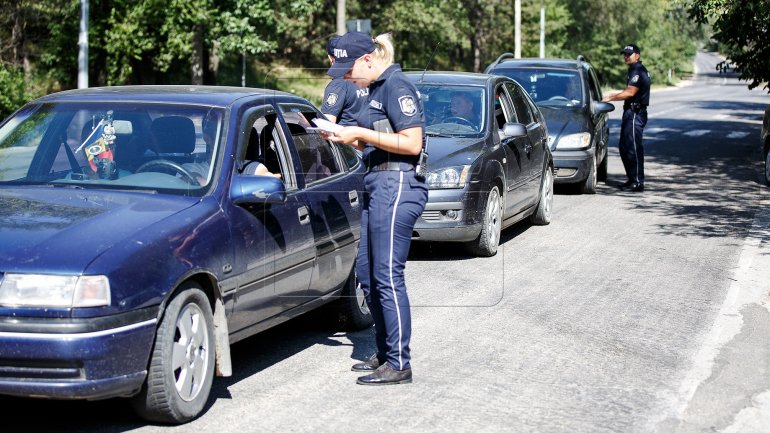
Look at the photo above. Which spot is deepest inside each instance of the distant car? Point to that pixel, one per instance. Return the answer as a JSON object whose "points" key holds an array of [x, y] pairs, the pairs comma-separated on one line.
{"points": [[765, 144], [134, 249], [569, 95], [487, 169]]}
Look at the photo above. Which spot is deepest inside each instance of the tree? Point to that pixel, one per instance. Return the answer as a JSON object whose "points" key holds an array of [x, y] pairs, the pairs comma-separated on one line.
{"points": [[743, 29]]}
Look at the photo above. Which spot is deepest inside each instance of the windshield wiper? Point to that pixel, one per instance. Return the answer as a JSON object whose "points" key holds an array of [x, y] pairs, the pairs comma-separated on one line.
{"points": [[438, 134]]}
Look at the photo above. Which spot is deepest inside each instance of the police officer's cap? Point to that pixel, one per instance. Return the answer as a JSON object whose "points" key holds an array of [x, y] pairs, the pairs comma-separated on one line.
{"points": [[331, 44], [630, 49], [347, 49]]}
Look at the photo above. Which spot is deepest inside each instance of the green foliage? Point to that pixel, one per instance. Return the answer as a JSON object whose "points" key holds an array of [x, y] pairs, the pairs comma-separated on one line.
{"points": [[743, 31], [12, 94]]}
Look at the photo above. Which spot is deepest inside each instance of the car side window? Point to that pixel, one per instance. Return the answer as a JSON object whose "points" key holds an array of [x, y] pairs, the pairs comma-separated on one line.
{"points": [[316, 155], [263, 147], [504, 112], [523, 111], [593, 85]]}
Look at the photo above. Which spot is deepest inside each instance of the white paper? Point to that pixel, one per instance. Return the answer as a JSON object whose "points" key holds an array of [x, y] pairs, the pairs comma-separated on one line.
{"points": [[327, 126]]}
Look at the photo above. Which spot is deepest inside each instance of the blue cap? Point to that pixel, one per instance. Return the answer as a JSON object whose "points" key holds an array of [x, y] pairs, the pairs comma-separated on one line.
{"points": [[630, 49], [347, 49], [331, 44]]}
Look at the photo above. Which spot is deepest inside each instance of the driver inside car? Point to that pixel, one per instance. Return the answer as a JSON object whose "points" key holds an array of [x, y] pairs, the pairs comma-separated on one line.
{"points": [[462, 111]]}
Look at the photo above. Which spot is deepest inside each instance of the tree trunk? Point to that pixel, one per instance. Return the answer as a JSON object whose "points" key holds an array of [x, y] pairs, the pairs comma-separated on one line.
{"points": [[197, 66]]}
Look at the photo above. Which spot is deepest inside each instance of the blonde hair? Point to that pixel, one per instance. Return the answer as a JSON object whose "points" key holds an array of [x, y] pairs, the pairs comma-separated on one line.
{"points": [[384, 52]]}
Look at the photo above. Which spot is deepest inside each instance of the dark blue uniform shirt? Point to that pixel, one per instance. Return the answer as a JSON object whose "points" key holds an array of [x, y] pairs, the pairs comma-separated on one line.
{"points": [[639, 78], [393, 106], [343, 100]]}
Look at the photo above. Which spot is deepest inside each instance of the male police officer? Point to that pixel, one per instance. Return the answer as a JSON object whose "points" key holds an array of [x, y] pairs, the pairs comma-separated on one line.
{"points": [[636, 97]]}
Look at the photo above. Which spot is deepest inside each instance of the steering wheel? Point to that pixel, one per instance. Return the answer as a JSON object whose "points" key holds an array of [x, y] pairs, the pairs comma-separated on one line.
{"points": [[163, 165], [460, 120], [558, 98]]}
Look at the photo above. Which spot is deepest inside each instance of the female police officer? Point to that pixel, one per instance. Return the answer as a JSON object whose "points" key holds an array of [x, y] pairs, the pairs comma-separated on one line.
{"points": [[390, 135]]}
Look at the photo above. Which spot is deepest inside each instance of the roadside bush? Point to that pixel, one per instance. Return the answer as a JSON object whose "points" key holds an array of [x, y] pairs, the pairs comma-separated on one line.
{"points": [[12, 93]]}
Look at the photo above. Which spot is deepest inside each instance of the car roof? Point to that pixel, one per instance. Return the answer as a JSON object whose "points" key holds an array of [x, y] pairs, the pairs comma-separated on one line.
{"points": [[207, 95], [450, 77], [541, 63]]}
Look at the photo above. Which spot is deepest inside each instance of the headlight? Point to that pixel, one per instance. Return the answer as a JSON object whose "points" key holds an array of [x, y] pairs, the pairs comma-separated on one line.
{"points": [[574, 141], [450, 177], [34, 290]]}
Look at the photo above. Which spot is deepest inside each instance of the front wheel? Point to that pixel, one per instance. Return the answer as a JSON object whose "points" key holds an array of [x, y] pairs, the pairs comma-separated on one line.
{"points": [[589, 186], [542, 215], [489, 238], [352, 312], [182, 362]]}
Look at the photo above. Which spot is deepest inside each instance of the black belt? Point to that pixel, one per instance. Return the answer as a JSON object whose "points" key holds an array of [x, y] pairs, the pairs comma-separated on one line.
{"points": [[635, 106], [392, 166]]}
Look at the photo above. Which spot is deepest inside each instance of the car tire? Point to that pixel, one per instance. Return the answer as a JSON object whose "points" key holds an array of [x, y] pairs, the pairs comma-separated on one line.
{"points": [[351, 311], [767, 166], [601, 173], [181, 367], [589, 185], [542, 215], [491, 226]]}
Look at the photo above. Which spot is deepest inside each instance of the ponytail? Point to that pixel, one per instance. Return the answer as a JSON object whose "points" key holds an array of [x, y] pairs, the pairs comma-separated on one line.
{"points": [[384, 52]]}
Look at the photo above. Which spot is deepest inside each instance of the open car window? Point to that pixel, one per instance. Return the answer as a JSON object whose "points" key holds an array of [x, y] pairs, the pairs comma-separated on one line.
{"points": [[147, 147], [317, 156]]}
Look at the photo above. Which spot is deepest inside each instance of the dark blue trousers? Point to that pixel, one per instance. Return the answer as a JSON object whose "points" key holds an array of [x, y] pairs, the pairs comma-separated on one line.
{"points": [[630, 145], [393, 200]]}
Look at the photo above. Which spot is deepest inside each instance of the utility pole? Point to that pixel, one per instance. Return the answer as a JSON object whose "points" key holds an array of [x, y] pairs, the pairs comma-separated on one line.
{"points": [[517, 32], [542, 30], [341, 28], [83, 46]]}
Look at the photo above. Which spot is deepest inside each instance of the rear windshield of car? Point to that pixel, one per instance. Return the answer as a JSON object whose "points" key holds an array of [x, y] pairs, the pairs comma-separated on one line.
{"points": [[454, 110], [146, 147], [547, 87]]}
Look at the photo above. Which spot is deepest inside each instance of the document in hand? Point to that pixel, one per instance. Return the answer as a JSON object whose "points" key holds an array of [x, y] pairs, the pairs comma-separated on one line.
{"points": [[325, 125]]}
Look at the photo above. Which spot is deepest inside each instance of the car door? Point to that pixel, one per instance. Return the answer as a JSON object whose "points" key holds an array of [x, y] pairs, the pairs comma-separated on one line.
{"points": [[601, 129], [515, 164], [536, 142], [334, 199], [273, 243]]}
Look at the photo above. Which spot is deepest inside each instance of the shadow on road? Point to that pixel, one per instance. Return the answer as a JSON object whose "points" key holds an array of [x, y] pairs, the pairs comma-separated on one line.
{"points": [[703, 173]]}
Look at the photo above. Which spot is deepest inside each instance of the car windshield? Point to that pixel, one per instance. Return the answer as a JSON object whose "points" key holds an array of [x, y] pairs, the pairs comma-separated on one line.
{"points": [[548, 87], [149, 147], [453, 110]]}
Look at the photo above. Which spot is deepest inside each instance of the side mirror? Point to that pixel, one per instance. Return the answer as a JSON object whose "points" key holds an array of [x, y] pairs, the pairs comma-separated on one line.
{"points": [[251, 189], [514, 130], [602, 107]]}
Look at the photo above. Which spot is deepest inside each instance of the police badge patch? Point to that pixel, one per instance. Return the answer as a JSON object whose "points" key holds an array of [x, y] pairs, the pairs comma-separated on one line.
{"points": [[331, 99], [635, 78], [407, 105]]}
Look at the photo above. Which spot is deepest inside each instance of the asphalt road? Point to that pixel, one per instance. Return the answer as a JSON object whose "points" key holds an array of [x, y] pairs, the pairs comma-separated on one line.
{"points": [[629, 313]]}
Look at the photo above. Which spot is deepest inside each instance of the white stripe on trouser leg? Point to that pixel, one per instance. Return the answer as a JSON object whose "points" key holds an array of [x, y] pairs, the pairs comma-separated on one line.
{"points": [[392, 285], [636, 156]]}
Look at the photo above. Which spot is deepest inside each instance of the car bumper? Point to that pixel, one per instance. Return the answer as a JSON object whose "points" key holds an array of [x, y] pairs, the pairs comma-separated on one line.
{"points": [[572, 166], [37, 359], [450, 215]]}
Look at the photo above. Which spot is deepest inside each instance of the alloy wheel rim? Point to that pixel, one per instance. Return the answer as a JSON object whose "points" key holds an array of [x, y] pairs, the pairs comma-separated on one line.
{"points": [[493, 210], [189, 357], [361, 300], [548, 193]]}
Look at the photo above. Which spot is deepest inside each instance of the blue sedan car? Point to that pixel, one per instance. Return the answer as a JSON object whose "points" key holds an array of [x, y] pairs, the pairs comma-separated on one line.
{"points": [[137, 243]]}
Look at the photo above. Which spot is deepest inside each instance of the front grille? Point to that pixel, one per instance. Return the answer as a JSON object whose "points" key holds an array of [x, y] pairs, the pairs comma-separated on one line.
{"points": [[431, 215]]}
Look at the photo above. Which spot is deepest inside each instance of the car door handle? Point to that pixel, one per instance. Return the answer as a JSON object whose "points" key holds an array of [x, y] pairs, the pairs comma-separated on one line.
{"points": [[353, 197], [304, 215]]}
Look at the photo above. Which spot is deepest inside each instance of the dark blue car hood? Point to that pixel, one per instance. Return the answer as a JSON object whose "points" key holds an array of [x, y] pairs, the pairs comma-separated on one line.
{"points": [[563, 121], [448, 152], [56, 230]]}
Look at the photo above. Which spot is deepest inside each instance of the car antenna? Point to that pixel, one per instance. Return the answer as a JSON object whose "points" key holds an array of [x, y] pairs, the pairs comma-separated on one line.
{"points": [[430, 59]]}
